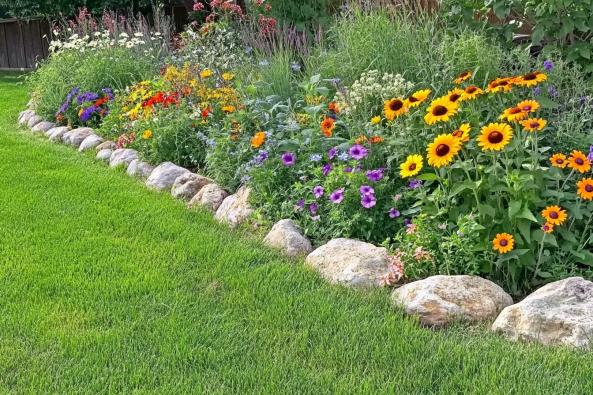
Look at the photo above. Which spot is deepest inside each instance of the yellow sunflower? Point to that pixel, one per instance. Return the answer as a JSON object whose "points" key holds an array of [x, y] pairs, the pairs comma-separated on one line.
{"points": [[395, 108], [495, 136], [513, 114], [528, 106], [442, 150], [417, 98], [503, 243], [471, 92], [440, 110], [554, 215], [500, 84], [531, 79], [462, 133], [559, 160], [411, 166], [578, 161], [463, 76], [585, 188], [455, 95], [533, 124], [548, 227]]}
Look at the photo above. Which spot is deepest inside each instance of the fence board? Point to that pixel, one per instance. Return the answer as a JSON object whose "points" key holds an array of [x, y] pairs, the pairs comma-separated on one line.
{"points": [[37, 42], [3, 52], [27, 34]]}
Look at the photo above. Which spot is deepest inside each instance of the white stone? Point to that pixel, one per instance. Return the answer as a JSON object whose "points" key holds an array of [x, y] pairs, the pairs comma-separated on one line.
{"points": [[187, 185], [66, 136], [43, 126], [90, 142], [78, 136], [137, 168], [350, 262], [164, 175], [558, 313], [123, 155], [235, 208], [287, 235], [211, 196], [104, 154], [440, 300], [57, 131], [24, 116], [34, 120], [106, 144]]}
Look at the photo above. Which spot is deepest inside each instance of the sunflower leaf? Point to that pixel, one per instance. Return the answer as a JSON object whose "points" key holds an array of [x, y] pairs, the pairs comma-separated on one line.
{"points": [[524, 226], [525, 213], [427, 177], [547, 103]]}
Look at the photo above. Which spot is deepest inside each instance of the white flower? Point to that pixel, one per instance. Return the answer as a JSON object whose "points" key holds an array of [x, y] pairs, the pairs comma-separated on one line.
{"points": [[123, 34], [73, 37], [138, 34], [157, 34], [56, 32], [97, 34], [129, 44]]}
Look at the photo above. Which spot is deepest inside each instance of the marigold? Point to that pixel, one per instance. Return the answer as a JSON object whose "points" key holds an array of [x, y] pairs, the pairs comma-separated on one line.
{"points": [[559, 160], [495, 136], [440, 110], [228, 109], [442, 150], [327, 126], [533, 124], [585, 188], [333, 107], [258, 140], [578, 161], [462, 77], [503, 243], [411, 166], [147, 133], [394, 108], [554, 215]]}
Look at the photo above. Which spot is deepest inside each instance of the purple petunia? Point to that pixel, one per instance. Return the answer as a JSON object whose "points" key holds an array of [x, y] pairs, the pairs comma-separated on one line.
{"points": [[87, 112], [327, 168], [374, 175], [332, 152], [313, 208], [408, 222], [318, 191], [415, 183], [288, 159], [393, 213], [337, 196], [548, 65], [347, 170], [366, 190], [358, 152], [368, 201]]}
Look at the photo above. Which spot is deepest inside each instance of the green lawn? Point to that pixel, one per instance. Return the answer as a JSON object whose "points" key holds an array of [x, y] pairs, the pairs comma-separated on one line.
{"points": [[106, 287]]}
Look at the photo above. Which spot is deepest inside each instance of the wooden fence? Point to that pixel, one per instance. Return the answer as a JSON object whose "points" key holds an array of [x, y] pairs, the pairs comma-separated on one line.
{"points": [[22, 43]]}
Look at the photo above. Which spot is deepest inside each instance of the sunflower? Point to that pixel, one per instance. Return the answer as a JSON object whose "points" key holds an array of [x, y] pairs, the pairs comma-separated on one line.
{"points": [[462, 77], [533, 124], [471, 92], [327, 126], [578, 161], [411, 166], [417, 98], [548, 227], [559, 160], [495, 136], [554, 215], [500, 84], [440, 110], [258, 140], [513, 114], [585, 188], [531, 79], [528, 106], [462, 133], [503, 243], [454, 95], [394, 108], [442, 150]]}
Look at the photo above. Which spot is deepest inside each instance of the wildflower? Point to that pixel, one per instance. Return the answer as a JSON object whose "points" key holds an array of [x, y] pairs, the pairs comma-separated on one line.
{"points": [[537, 90], [513, 114], [455, 95], [358, 152], [376, 120], [531, 79], [333, 107], [548, 65], [533, 124], [578, 161], [411, 229], [442, 150], [366, 190], [585, 188], [315, 218], [470, 93], [440, 110], [313, 208], [206, 73], [443, 226], [376, 140], [295, 66], [288, 159], [85, 114], [147, 134], [206, 112], [462, 77], [368, 201], [248, 49], [459, 233], [228, 109], [462, 133], [411, 166], [337, 196], [258, 140], [318, 191], [415, 183], [495, 136], [263, 155], [327, 168], [189, 206], [335, 81], [554, 215], [419, 254], [548, 227], [503, 243], [552, 91], [332, 152], [347, 170], [528, 105], [394, 108], [374, 175], [500, 84], [327, 126], [397, 197], [393, 213], [559, 160], [343, 156], [417, 98], [315, 157]]}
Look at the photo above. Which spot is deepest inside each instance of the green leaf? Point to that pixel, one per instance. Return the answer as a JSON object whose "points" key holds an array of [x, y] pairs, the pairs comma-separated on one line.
{"points": [[457, 189], [525, 213], [486, 209], [585, 52], [315, 79], [514, 207], [512, 254], [551, 239], [567, 235], [524, 226], [322, 90], [544, 274], [547, 103], [428, 177]]}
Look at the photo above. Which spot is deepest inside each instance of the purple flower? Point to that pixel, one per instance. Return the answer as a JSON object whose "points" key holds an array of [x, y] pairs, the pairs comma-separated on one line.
{"points": [[374, 175], [315, 218], [337, 196], [332, 152], [415, 183], [368, 201], [537, 90], [343, 156], [590, 156], [408, 222], [459, 233], [358, 151], [87, 96], [86, 113], [382, 169], [333, 116], [548, 65], [393, 213], [263, 155], [109, 93], [68, 98], [366, 190], [301, 203], [552, 91], [313, 208], [318, 191], [335, 81], [288, 159], [327, 168], [347, 170]]}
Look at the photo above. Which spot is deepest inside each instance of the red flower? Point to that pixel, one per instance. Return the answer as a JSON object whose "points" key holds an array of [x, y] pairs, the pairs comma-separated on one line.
{"points": [[101, 101], [206, 112]]}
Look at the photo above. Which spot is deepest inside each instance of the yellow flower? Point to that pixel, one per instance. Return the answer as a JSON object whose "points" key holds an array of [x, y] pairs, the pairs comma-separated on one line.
{"points": [[548, 227], [500, 84], [462, 133], [554, 215], [394, 108], [471, 92], [513, 114], [80, 112], [495, 136], [228, 109], [585, 188], [503, 243], [417, 98], [442, 150], [454, 95], [440, 110], [147, 134], [206, 73], [559, 160], [533, 124], [463, 76], [258, 140], [411, 166], [227, 77], [578, 161], [531, 79], [376, 120], [528, 106]]}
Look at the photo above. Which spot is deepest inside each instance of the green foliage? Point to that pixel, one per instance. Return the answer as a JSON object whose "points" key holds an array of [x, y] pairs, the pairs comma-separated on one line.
{"points": [[32, 8], [305, 15]]}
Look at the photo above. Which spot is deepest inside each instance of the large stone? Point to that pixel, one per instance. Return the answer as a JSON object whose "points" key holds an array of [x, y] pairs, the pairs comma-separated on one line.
{"points": [[235, 208], [105, 154], [43, 126], [350, 262], [558, 313], [187, 185], [137, 168], [66, 136], [57, 130], [287, 235], [106, 144], [34, 120], [211, 196], [439, 300], [79, 135], [24, 116], [164, 175], [90, 142], [123, 155]]}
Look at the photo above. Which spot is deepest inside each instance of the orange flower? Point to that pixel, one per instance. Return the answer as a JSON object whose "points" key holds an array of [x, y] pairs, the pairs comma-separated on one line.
{"points": [[585, 188], [361, 139], [554, 215], [258, 140], [376, 139], [333, 107], [513, 114], [533, 124], [559, 160], [578, 161], [327, 126], [462, 77]]}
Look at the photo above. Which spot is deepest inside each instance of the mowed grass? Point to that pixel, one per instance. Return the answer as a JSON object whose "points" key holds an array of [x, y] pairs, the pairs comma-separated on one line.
{"points": [[106, 287]]}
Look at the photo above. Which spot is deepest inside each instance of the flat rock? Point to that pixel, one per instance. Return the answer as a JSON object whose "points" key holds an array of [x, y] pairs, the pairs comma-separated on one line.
{"points": [[123, 155], [137, 168], [50, 132], [439, 300], [287, 235], [105, 154], [106, 144], [210, 196], [187, 185], [350, 262], [79, 135], [235, 208], [90, 142], [558, 313], [34, 120], [164, 175], [58, 134], [24, 116], [43, 126]]}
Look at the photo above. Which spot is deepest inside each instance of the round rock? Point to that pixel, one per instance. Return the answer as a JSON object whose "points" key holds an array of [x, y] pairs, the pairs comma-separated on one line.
{"points": [[164, 175], [24, 116], [43, 126], [105, 154], [79, 135], [235, 208], [211, 196], [106, 144], [137, 168], [90, 142], [287, 235], [123, 155], [34, 120], [58, 132], [187, 185]]}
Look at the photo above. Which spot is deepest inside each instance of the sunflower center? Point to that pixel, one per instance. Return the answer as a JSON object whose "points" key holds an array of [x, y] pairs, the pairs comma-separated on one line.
{"points": [[515, 110], [493, 84], [412, 99], [554, 215], [503, 83], [471, 89], [534, 125], [504, 243], [589, 188], [527, 108], [495, 137], [579, 161], [412, 167], [442, 149], [560, 161], [530, 76], [454, 97], [395, 105], [439, 110], [458, 133]]}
